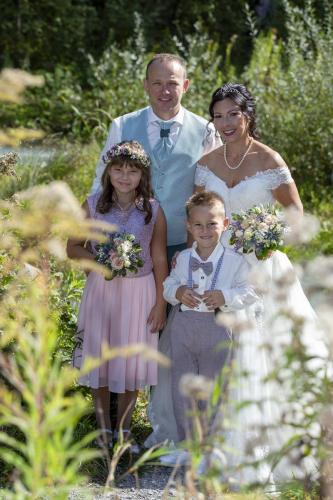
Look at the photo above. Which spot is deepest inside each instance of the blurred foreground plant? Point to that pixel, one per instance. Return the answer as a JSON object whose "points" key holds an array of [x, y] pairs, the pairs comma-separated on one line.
{"points": [[289, 441], [39, 411], [12, 84]]}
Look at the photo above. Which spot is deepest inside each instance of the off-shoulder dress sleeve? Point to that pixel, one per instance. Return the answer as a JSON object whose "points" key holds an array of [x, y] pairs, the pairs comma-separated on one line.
{"points": [[275, 177], [201, 174]]}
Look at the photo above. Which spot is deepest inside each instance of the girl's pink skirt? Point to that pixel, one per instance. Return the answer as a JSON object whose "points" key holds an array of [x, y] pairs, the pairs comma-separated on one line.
{"points": [[115, 312]]}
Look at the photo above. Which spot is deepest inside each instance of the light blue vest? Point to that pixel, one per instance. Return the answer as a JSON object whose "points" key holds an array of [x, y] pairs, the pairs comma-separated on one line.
{"points": [[172, 179]]}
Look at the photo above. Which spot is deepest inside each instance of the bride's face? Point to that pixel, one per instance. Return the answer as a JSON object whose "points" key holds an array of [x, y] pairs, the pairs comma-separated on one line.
{"points": [[230, 121]]}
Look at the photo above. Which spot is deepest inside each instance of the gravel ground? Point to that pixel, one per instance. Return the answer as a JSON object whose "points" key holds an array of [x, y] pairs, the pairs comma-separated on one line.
{"points": [[152, 485]]}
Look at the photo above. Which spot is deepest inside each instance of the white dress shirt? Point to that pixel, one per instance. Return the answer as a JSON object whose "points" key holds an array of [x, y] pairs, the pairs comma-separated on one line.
{"points": [[153, 130], [231, 280]]}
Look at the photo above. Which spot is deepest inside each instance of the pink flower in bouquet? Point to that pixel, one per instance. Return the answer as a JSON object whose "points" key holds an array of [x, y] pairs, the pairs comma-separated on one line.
{"points": [[117, 262], [263, 226], [112, 254], [121, 255], [117, 241]]}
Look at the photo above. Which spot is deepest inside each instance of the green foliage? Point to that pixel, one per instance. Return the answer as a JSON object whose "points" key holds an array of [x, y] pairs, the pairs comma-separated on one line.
{"points": [[293, 84], [74, 163], [66, 290], [38, 410], [322, 243], [203, 64], [292, 81], [43, 35], [37, 404], [42, 419], [37, 35]]}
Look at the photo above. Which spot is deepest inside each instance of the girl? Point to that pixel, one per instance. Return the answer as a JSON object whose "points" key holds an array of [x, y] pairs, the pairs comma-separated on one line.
{"points": [[124, 310]]}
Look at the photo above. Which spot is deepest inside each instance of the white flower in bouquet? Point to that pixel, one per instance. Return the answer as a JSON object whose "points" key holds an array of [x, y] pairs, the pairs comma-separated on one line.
{"points": [[259, 229], [125, 247], [248, 234]]}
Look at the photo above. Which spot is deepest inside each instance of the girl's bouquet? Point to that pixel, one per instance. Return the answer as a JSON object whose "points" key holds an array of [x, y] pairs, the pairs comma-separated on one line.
{"points": [[260, 230], [120, 254]]}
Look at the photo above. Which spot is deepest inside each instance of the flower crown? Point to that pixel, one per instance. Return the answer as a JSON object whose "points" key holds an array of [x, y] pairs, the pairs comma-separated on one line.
{"points": [[126, 151]]}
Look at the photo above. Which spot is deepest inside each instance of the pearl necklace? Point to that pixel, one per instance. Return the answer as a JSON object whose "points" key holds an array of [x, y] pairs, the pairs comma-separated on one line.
{"points": [[242, 159]]}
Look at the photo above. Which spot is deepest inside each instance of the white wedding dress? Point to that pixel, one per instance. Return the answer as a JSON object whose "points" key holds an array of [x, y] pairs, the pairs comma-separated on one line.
{"points": [[250, 437]]}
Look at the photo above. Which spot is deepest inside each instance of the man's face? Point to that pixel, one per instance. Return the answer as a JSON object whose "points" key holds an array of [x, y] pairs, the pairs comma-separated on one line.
{"points": [[165, 86]]}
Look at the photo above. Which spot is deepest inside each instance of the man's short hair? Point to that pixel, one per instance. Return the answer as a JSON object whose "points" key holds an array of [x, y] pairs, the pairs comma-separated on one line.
{"points": [[204, 199], [166, 57]]}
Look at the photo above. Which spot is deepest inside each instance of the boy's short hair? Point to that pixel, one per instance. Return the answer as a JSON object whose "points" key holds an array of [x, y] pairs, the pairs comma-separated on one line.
{"points": [[206, 199], [166, 57]]}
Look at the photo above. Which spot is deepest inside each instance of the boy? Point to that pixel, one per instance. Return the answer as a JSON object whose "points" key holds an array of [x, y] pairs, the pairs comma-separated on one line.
{"points": [[206, 278]]}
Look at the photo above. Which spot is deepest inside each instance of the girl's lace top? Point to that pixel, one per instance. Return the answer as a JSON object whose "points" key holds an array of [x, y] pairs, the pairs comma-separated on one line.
{"points": [[130, 221]]}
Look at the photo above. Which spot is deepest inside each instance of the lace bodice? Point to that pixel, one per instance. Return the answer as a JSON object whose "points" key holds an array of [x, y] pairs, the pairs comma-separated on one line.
{"points": [[130, 221], [250, 191]]}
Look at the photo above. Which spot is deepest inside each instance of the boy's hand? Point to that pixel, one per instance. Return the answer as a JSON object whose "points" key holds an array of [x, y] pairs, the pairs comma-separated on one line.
{"points": [[157, 318], [188, 297], [213, 299]]}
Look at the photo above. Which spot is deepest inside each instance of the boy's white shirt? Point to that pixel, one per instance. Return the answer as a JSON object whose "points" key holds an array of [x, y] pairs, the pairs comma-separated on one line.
{"points": [[153, 131], [232, 279]]}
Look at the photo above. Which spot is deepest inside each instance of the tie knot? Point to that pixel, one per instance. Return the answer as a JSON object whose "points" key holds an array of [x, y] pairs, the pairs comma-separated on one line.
{"points": [[165, 128]]}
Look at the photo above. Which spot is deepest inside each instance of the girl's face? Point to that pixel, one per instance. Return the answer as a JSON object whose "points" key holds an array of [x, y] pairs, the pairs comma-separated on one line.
{"points": [[230, 121], [125, 177]]}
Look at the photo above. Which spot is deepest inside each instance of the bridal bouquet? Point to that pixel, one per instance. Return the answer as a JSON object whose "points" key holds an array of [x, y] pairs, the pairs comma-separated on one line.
{"points": [[120, 254], [259, 229]]}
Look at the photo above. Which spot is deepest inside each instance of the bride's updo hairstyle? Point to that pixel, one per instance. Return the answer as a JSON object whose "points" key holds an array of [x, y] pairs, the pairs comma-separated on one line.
{"points": [[240, 95]]}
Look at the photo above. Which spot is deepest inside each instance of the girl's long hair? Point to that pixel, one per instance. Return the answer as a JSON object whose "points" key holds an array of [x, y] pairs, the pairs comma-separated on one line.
{"points": [[134, 155]]}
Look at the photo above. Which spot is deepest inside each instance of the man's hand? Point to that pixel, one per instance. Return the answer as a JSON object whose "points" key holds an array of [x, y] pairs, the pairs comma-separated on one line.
{"points": [[188, 297], [213, 299]]}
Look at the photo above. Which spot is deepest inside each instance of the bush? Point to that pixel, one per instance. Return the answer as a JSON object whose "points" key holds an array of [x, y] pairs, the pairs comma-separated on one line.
{"points": [[293, 83]]}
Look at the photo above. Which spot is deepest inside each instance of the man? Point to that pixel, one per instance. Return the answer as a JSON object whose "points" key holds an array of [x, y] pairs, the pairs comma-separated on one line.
{"points": [[174, 138]]}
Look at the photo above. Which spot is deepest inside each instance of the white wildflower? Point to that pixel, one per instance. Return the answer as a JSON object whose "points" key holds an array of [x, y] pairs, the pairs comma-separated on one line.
{"points": [[56, 196], [14, 81], [260, 278], [56, 247], [237, 323], [319, 272], [303, 229], [196, 386], [7, 164]]}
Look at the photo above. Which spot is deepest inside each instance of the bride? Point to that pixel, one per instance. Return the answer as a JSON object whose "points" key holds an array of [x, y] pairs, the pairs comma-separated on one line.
{"points": [[246, 172]]}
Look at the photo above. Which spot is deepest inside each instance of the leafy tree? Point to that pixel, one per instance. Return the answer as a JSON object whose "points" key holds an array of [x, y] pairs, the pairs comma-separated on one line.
{"points": [[36, 35]]}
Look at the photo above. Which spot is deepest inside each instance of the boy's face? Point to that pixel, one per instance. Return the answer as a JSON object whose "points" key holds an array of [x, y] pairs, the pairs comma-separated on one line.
{"points": [[206, 225], [165, 86]]}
